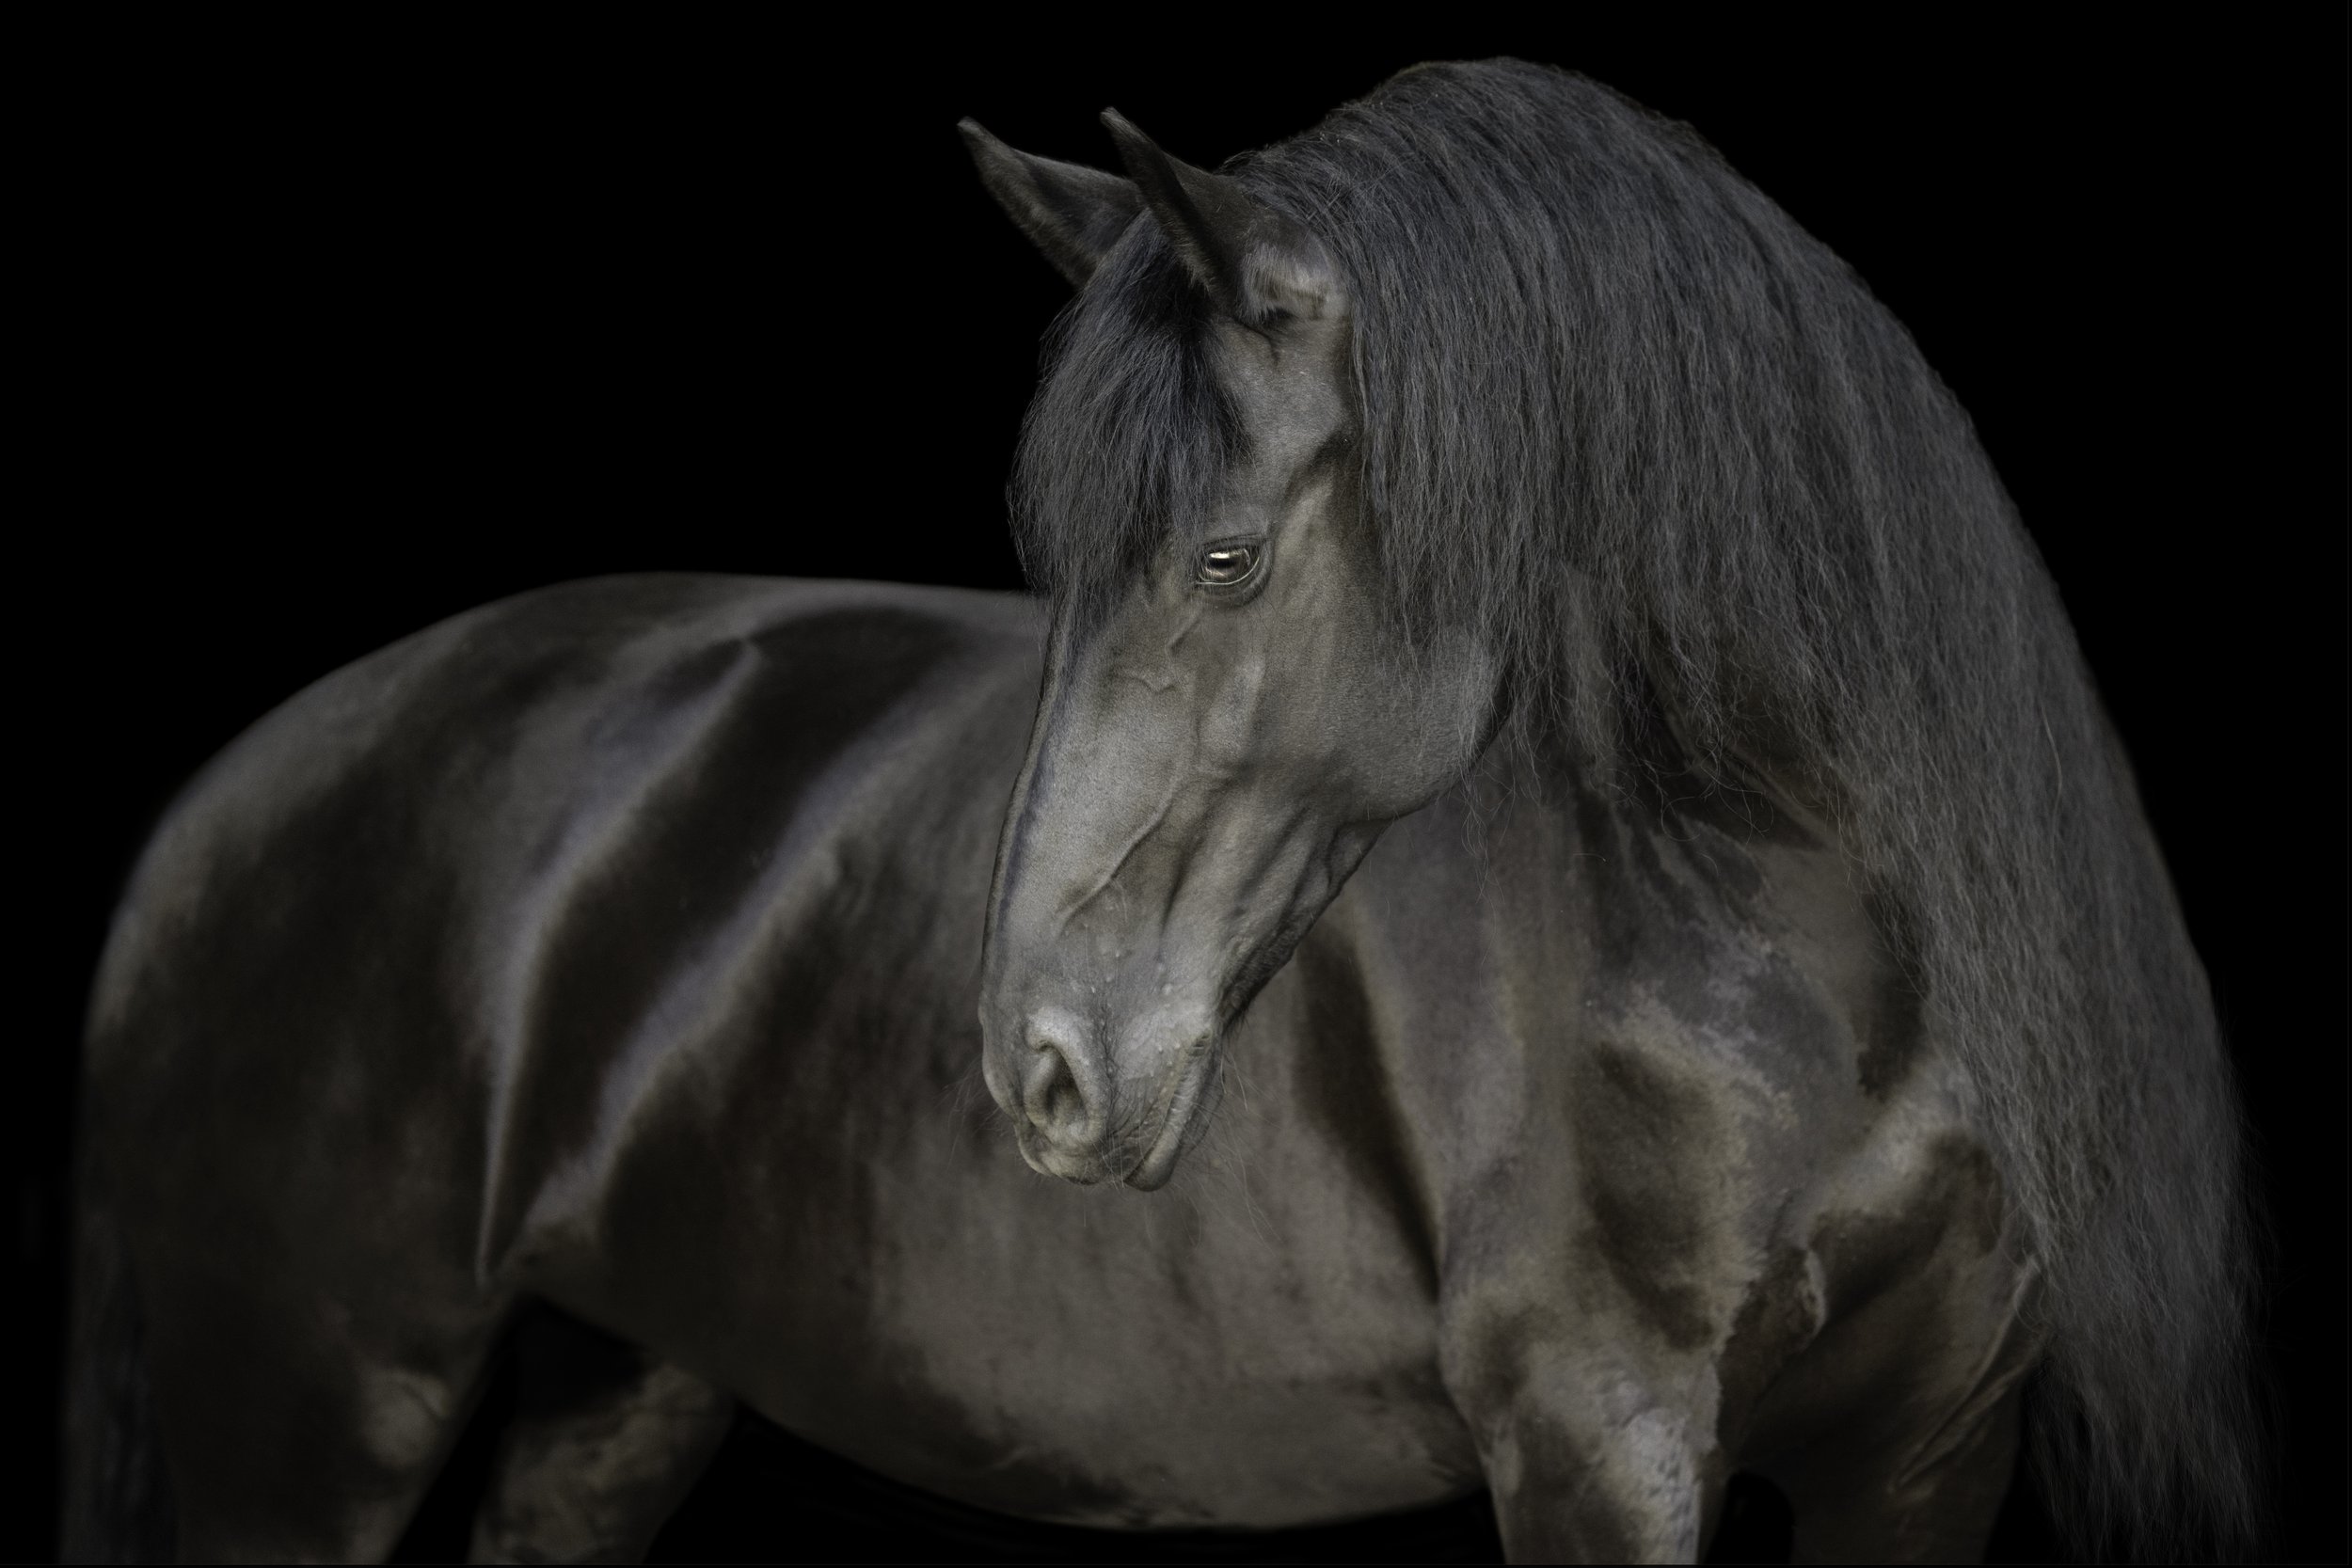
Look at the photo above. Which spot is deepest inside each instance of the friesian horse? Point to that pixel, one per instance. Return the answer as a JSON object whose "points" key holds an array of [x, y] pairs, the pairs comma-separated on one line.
{"points": [[1540, 703]]}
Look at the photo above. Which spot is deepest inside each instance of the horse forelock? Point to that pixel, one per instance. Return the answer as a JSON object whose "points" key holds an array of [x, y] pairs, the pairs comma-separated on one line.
{"points": [[1622, 414], [1131, 432]]}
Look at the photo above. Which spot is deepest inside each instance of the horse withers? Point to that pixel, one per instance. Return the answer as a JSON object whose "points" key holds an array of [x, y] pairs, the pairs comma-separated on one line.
{"points": [[1550, 809]]}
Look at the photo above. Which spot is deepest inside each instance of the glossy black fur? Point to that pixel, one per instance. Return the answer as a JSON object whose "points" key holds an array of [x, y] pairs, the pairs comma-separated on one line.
{"points": [[1771, 1056], [615, 947], [1655, 444]]}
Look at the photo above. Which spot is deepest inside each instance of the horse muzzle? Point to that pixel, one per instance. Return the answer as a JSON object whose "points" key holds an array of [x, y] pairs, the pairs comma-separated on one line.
{"points": [[1089, 1113]]}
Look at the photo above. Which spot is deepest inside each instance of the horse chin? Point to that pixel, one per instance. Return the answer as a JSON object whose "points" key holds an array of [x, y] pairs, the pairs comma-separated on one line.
{"points": [[1159, 1161], [1182, 1126]]}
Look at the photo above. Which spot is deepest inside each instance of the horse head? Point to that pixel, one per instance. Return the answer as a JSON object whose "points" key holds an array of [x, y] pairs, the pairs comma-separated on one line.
{"points": [[1225, 731]]}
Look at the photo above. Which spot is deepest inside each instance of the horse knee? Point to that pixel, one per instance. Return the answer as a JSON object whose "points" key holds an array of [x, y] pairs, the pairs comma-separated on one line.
{"points": [[1576, 1481], [605, 1444]]}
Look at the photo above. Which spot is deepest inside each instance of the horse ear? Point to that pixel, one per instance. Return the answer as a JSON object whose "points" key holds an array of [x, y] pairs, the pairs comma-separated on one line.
{"points": [[1253, 259], [1071, 212]]}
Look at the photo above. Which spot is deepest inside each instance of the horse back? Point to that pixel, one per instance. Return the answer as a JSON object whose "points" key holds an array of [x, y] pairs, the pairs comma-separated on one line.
{"points": [[395, 947]]}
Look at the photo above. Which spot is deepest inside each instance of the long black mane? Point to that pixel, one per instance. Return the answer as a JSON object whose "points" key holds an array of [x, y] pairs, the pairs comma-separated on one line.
{"points": [[1621, 414]]}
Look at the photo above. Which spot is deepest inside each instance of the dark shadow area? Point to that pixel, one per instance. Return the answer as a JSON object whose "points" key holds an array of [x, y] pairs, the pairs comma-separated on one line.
{"points": [[444, 1522], [1756, 1523], [769, 1496]]}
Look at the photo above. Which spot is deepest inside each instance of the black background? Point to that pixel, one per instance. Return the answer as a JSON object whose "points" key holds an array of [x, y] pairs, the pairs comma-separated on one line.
{"points": [[337, 334]]}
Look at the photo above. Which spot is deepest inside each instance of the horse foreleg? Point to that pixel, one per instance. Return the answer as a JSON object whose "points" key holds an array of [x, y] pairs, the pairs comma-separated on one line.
{"points": [[1915, 1459], [1586, 1462], [606, 1443], [1933, 1501]]}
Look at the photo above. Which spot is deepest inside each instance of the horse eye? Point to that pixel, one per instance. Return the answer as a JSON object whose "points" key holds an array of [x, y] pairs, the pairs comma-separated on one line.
{"points": [[1223, 565]]}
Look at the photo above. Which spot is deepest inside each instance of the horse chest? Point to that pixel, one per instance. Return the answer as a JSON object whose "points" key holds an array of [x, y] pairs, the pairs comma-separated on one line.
{"points": [[1675, 1124], [1256, 1346]]}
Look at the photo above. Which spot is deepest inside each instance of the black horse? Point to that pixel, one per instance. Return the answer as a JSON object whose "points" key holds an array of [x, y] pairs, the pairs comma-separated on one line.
{"points": [[1542, 694]]}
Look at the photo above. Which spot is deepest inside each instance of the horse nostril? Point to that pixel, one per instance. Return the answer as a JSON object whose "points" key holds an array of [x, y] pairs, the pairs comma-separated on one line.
{"points": [[1050, 1095]]}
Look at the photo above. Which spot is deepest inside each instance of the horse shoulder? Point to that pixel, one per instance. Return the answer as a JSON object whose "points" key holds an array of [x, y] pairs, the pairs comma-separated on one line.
{"points": [[1885, 1294], [1723, 1181]]}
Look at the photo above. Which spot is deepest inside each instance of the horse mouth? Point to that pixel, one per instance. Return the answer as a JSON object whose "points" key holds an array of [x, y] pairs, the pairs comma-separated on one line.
{"points": [[1177, 1114]]}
